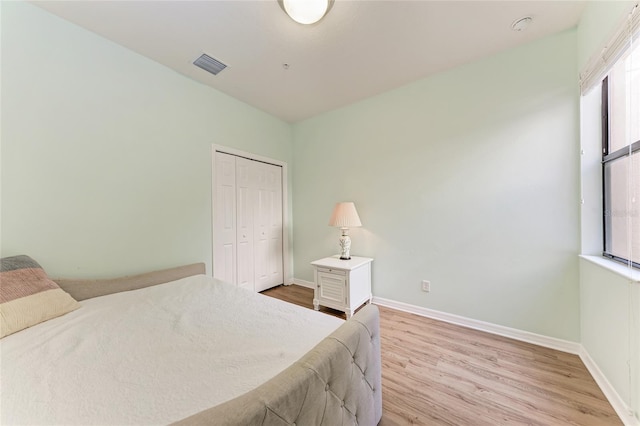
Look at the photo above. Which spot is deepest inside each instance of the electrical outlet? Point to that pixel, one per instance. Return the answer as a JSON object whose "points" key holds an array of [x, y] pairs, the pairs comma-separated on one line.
{"points": [[426, 286]]}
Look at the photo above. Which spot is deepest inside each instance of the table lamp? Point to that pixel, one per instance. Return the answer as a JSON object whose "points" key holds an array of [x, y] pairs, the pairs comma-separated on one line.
{"points": [[345, 216]]}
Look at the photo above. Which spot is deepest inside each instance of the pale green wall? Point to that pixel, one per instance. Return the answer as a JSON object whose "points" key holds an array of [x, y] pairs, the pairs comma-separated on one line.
{"points": [[106, 155], [597, 25], [609, 303], [468, 178], [609, 307]]}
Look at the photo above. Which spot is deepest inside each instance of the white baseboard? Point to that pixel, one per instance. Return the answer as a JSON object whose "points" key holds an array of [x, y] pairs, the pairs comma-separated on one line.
{"points": [[618, 404], [525, 336], [304, 283]]}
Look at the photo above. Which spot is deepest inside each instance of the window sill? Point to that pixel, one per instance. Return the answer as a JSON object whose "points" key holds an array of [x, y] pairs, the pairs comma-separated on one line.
{"points": [[615, 267]]}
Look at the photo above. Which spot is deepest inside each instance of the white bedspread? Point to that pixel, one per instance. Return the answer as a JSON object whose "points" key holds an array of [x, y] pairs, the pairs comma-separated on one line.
{"points": [[152, 356]]}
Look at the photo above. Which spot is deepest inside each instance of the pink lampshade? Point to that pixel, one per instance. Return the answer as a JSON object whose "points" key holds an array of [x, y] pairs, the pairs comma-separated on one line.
{"points": [[345, 215]]}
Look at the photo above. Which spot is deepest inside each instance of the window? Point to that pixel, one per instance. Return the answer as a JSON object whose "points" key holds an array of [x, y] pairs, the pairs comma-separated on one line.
{"points": [[621, 158]]}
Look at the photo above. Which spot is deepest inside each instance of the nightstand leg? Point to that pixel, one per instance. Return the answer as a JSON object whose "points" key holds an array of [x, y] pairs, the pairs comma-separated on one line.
{"points": [[349, 313], [316, 304]]}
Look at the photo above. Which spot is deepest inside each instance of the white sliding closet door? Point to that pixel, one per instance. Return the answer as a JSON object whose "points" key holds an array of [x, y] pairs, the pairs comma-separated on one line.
{"points": [[224, 218], [245, 193], [257, 225], [276, 229], [268, 227]]}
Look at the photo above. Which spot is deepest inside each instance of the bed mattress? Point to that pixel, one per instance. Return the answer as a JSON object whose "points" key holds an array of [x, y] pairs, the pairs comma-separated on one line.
{"points": [[152, 356]]}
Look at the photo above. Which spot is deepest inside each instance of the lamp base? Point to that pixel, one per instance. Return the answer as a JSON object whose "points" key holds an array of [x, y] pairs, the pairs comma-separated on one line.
{"points": [[345, 244]]}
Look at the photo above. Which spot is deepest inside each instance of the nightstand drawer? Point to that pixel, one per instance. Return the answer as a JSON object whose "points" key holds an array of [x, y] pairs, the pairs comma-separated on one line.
{"points": [[333, 271]]}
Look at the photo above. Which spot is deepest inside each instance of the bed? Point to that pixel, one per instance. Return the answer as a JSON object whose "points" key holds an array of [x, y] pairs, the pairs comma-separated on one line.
{"points": [[176, 346]]}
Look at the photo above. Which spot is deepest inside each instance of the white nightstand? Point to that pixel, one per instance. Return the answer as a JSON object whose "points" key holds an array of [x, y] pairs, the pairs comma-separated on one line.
{"points": [[342, 284]]}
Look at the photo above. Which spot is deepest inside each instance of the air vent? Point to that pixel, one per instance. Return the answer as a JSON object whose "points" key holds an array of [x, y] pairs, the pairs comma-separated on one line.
{"points": [[209, 64]]}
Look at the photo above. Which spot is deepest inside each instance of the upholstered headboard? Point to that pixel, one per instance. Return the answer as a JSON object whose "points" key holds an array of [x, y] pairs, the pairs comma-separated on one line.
{"points": [[81, 289]]}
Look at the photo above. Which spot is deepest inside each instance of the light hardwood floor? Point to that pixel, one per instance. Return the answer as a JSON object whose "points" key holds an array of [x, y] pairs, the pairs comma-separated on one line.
{"points": [[435, 373]]}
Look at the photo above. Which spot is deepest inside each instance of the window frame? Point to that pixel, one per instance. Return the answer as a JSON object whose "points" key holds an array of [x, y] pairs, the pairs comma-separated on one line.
{"points": [[607, 157]]}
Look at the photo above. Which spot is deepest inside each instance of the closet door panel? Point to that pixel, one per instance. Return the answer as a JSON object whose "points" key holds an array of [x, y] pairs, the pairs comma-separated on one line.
{"points": [[245, 184], [261, 222], [274, 188], [224, 265]]}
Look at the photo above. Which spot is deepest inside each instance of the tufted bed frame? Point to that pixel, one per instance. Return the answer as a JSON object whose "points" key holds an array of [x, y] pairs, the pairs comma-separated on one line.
{"points": [[337, 383]]}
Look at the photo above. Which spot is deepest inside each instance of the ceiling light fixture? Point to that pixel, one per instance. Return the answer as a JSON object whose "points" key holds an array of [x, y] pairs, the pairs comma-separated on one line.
{"points": [[521, 24], [306, 11]]}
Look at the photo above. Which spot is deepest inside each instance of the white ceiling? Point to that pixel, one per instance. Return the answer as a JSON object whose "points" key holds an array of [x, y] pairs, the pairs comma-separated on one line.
{"points": [[361, 48]]}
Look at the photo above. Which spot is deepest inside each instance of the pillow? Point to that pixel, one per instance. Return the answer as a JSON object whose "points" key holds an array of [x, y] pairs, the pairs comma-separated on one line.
{"points": [[27, 295]]}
